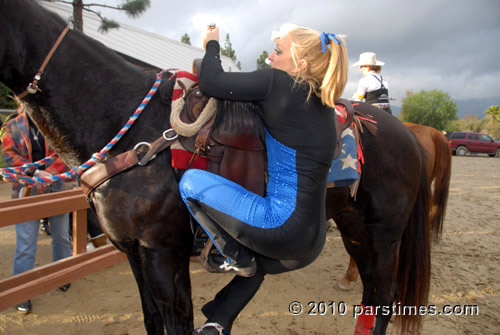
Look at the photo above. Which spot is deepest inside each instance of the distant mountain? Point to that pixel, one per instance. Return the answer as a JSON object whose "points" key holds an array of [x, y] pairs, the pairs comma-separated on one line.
{"points": [[396, 110], [475, 107]]}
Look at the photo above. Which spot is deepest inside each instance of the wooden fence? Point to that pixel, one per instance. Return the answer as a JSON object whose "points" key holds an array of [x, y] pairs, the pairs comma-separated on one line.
{"points": [[29, 284]]}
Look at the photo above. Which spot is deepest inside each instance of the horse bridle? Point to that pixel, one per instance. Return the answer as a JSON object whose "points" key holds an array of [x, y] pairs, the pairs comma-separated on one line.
{"points": [[33, 86], [160, 144]]}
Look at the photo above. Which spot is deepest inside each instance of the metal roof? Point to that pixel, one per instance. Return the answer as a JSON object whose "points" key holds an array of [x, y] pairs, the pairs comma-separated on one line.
{"points": [[153, 49]]}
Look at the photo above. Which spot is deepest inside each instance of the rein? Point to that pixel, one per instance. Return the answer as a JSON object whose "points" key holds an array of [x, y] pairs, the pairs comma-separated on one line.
{"points": [[19, 174], [33, 86]]}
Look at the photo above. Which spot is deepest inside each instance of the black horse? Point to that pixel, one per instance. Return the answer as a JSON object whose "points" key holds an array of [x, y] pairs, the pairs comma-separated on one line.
{"points": [[88, 94]]}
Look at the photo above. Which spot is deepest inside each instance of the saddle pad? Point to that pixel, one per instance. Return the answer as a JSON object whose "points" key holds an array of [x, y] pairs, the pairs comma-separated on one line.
{"points": [[181, 158], [344, 169]]}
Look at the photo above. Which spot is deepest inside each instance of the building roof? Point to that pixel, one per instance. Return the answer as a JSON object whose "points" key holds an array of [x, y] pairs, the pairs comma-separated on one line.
{"points": [[153, 49]]}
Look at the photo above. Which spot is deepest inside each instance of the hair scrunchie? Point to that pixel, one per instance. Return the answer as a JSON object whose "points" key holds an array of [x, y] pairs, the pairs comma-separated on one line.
{"points": [[326, 39]]}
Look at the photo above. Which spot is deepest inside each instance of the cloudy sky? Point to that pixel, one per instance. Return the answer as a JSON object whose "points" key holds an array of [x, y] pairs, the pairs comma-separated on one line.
{"points": [[449, 45]]}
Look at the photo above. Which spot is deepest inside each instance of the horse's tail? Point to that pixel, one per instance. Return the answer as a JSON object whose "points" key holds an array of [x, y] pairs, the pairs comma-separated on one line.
{"points": [[442, 175], [414, 267]]}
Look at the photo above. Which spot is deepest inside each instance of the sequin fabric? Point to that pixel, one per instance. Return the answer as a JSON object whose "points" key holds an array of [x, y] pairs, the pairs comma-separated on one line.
{"points": [[234, 200]]}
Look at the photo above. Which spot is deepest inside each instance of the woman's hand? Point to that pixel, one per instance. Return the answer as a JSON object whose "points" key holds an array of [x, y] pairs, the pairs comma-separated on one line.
{"points": [[42, 174], [212, 33]]}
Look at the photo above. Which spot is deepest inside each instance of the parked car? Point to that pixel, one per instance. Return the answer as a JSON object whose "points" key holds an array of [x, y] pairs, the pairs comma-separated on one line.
{"points": [[463, 142]]}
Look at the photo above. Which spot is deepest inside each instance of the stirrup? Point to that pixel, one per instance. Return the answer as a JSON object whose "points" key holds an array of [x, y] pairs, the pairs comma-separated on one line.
{"points": [[216, 325]]}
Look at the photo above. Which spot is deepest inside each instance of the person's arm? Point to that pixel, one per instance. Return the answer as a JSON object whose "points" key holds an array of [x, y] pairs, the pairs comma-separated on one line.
{"points": [[241, 86], [361, 90]]}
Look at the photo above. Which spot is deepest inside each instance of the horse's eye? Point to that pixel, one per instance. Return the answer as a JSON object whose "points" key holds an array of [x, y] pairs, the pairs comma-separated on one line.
{"points": [[198, 93]]}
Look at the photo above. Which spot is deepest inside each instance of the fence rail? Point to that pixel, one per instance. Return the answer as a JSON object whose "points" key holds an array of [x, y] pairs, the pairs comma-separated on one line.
{"points": [[29, 284]]}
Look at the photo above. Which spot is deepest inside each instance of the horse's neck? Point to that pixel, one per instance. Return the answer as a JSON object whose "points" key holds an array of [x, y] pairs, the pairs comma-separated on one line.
{"points": [[88, 92]]}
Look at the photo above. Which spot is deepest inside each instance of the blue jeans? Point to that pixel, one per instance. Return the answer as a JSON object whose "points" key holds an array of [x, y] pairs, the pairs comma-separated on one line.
{"points": [[26, 242]]}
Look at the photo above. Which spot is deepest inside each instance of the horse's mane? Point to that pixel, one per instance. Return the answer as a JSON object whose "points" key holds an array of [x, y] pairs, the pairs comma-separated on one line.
{"points": [[239, 117]]}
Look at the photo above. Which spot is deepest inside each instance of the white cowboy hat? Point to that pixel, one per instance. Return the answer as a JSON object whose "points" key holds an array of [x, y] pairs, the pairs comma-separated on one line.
{"points": [[367, 59]]}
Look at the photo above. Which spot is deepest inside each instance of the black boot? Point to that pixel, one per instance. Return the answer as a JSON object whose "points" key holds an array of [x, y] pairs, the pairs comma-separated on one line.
{"points": [[45, 226], [236, 259]]}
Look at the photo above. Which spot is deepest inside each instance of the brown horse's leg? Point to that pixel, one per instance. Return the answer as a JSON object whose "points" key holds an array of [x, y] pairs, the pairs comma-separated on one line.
{"points": [[355, 239], [361, 256], [351, 275], [384, 275]]}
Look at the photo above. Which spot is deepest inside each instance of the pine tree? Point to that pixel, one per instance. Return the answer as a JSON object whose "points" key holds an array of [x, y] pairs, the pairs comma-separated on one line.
{"points": [[132, 8], [185, 39], [261, 61], [229, 51]]}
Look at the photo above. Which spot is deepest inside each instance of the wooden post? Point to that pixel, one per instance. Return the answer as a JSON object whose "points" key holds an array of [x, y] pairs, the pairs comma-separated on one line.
{"points": [[79, 231]]}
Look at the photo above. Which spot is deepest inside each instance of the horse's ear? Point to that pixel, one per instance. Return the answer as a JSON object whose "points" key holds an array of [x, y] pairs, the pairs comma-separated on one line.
{"points": [[197, 65], [183, 87], [166, 90]]}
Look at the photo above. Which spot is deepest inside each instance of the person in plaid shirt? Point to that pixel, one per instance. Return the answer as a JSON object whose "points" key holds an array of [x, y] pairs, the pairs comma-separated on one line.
{"points": [[22, 143]]}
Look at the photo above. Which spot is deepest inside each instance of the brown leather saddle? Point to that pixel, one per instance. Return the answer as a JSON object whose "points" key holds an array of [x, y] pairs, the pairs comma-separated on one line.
{"points": [[237, 156]]}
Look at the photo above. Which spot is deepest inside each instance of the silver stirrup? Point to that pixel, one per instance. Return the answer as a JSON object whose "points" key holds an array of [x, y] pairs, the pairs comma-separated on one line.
{"points": [[217, 326]]}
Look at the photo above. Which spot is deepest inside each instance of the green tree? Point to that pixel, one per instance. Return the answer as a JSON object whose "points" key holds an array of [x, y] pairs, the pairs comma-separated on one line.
{"points": [[261, 61], [229, 51], [431, 108], [132, 8], [493, 112], [185, 39], [493, 129], [5, 101]]}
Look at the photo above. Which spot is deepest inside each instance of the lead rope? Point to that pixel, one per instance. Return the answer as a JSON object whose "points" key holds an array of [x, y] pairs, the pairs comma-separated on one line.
{"points": [[20, 174]]}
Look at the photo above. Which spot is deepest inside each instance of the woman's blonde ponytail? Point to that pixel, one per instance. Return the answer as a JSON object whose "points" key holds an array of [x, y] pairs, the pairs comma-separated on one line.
{"points": [[326, 72]]}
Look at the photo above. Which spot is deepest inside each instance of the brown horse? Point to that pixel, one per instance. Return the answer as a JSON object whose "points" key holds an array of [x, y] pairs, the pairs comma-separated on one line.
{"points": [[88, 94], [438, 164]]}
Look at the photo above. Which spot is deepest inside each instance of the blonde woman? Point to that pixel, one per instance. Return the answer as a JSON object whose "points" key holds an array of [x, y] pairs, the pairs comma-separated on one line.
{"points": [[285, 230]]}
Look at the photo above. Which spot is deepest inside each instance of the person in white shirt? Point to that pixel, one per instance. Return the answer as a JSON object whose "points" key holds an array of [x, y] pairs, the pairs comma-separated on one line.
{"points": [[372, 88]]}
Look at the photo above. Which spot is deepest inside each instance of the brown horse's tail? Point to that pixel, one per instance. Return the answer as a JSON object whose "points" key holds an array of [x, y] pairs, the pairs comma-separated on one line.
{"points": [[442, 175], [414, 269]]}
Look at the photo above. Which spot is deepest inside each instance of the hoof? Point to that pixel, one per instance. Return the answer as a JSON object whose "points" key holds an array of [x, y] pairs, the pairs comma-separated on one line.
{"points": [[345, 284]]}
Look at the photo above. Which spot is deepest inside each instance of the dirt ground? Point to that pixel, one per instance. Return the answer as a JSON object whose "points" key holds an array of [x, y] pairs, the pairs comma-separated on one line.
{"points": [[465, 272]]}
